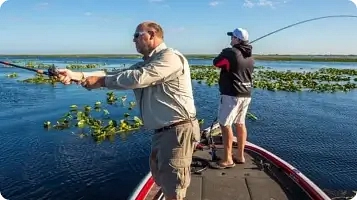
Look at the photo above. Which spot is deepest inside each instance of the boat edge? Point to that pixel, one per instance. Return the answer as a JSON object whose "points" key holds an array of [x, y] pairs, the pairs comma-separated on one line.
{"points": [[296, 175], [142, 190]]}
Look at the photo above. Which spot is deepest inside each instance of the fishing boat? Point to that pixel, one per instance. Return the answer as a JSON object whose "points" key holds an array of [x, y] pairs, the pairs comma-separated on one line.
{"points": [[263, 176]]}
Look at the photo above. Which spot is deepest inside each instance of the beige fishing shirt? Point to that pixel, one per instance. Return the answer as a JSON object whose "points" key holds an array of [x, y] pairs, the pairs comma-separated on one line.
{"points": [[162, 86]]}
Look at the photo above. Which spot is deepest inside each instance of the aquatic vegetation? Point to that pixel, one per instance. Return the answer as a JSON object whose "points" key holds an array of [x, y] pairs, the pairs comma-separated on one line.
{"points": [[97, 122], [85, 66], [322, 80], [12, 75], [271, 57], [251, 116], [39, 65], [41, 79]]}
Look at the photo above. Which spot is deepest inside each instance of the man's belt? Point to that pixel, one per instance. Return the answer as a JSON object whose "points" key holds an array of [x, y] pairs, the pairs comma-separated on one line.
{"points": [[173, 125]]}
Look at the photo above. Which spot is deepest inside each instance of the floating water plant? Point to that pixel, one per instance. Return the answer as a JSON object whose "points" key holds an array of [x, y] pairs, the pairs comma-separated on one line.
{"points": [[111, 98], [85, 66], [40, 79], [251, 116], [12, 75], [39, 65], [322, 80], [95, 122]]}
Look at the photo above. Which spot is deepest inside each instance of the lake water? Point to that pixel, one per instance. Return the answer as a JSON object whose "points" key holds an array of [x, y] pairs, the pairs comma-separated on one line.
{"points": [[314, 132]]}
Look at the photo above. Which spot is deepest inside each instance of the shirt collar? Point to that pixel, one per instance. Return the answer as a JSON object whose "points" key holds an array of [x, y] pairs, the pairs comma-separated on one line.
{"points": [[156, 50]]}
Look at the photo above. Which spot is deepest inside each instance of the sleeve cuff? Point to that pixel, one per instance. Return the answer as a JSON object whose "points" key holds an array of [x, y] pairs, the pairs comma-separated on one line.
{"points": [[110, 82], [86, 74]]}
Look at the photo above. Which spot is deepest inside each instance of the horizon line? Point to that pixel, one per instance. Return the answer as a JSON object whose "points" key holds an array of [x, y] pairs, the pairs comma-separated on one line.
{"points": [[188, 54]]}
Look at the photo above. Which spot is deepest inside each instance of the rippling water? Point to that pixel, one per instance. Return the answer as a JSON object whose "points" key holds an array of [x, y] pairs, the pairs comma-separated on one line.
{"points": [[314, 132]]}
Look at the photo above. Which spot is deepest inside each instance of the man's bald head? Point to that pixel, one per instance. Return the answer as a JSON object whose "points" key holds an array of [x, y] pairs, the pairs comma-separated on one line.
{"points": [[147, 37], [152, 27]]}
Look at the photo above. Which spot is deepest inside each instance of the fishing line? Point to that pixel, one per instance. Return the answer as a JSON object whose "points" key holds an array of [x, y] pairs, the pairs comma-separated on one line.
{"points": [[52, 70]]}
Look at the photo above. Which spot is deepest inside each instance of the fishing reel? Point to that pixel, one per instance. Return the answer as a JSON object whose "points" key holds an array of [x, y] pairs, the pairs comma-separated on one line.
{"points": [[52, 71]]}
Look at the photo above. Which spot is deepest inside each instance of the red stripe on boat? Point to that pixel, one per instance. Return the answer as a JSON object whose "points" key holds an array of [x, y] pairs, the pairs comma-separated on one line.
{"points": [[300, 180], [145, 189]]}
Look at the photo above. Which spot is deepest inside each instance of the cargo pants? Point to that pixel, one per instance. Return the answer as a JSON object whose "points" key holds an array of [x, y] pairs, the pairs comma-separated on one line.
{"points": [[171, 158]]}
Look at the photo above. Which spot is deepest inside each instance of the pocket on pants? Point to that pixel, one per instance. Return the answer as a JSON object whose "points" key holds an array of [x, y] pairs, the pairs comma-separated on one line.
{"points": [[180, 136], [180, 158], [184, 177]]}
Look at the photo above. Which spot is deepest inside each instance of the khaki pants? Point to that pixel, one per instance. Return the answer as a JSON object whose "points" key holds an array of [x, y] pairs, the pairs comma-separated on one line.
{"points": [[233, 110], [171, 157]]}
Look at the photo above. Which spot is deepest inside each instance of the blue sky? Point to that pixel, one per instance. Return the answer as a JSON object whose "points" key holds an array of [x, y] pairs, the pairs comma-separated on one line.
{"points": [[197, 26]]}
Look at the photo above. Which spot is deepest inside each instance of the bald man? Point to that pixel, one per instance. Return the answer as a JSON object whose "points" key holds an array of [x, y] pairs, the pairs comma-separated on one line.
{"points": [[163, 90]]}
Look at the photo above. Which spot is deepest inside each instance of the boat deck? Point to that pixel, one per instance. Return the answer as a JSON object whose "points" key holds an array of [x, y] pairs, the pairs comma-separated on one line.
{"points": [[256, 179], [244, 181]]}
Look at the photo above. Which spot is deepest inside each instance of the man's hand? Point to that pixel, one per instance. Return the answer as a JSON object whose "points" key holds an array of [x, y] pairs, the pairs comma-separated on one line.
{"points": [[66, 76], [93, 82]]}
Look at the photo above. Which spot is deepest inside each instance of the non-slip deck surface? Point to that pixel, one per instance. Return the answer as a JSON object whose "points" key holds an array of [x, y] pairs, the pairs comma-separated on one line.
{"points": [[256, 179], [244, 181]]}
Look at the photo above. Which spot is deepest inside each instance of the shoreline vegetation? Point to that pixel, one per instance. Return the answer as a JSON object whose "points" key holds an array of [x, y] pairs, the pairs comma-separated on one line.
{"points": [[321, 80], [268, 57]]}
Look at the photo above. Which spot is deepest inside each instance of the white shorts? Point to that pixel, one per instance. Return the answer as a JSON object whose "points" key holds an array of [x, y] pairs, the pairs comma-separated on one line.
{"points": [[232, 110]]}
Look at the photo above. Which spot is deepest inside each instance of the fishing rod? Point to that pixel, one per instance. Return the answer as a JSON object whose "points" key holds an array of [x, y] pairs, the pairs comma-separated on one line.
{"points": [[51, 71], [304, 21], [210, 137]]}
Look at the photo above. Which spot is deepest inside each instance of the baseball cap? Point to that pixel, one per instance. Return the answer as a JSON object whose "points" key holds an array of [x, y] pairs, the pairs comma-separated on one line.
{"points": [[239, 33]]}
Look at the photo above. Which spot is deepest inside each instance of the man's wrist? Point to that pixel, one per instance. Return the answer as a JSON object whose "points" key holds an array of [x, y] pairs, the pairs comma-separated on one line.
{"points": [[102, 81], [78, 76]]}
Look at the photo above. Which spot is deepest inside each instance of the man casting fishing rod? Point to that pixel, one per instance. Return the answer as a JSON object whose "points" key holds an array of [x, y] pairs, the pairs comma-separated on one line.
{"points": [[235, 86], [162, 86]]}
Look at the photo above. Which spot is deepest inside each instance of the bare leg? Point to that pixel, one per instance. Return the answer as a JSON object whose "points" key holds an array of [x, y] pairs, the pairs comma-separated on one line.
{"points": [[241, 140], [227, 136]]}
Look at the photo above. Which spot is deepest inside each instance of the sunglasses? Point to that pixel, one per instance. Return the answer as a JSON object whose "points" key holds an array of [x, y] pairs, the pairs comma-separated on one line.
{"points": [[137, 34]]}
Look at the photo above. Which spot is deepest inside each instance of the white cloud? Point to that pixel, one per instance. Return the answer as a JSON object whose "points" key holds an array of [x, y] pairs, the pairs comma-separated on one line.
{"points": [[214, 3], [263, 3], [248, 4]]}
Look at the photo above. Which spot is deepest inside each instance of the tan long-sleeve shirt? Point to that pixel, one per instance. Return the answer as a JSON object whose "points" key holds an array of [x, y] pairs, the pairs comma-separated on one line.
{"points": [[161, 84]]}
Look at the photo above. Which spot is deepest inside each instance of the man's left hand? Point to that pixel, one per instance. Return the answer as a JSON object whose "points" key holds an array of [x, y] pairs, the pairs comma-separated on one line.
{"points": [[93, 82]]}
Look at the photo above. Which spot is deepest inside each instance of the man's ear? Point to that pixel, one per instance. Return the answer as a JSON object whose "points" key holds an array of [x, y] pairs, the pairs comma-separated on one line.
{"points": [[151, 33]]}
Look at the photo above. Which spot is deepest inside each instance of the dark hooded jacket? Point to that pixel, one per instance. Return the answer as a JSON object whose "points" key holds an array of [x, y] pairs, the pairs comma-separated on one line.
{"points": [[236, 76]]}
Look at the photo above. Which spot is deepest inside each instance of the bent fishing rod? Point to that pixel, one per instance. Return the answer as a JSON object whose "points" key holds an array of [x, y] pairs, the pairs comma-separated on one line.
{"points": [[305, 21]]}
